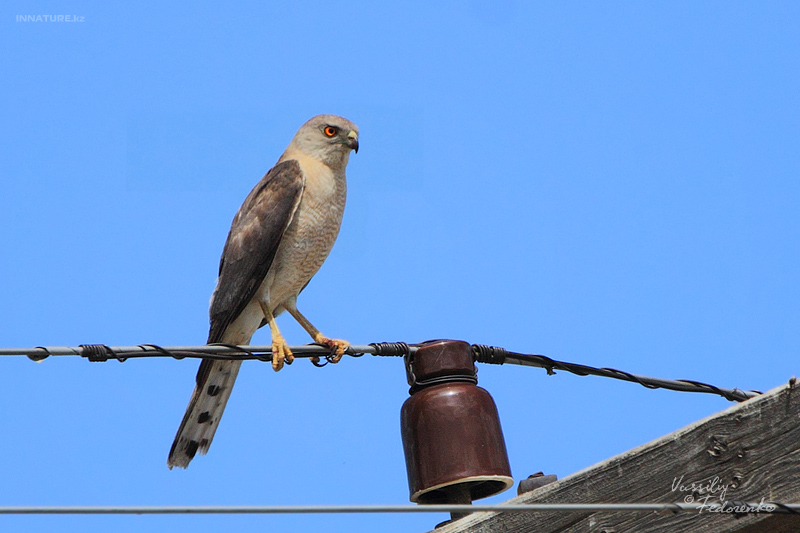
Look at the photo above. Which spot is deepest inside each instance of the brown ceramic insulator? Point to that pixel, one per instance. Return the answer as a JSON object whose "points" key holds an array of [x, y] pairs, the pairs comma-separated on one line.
{"points": [[451, 430], [436, 360]]}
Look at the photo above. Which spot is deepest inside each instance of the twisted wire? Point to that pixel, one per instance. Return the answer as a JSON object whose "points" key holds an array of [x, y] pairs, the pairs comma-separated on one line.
{"points": [[482, 353]]}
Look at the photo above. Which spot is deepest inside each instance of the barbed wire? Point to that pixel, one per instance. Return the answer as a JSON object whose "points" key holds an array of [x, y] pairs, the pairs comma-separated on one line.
{"points": [[483, 354], [737, 508]]}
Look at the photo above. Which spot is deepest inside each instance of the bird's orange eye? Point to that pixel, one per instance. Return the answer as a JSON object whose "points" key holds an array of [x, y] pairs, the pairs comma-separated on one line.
{"points": [[330, 131]]}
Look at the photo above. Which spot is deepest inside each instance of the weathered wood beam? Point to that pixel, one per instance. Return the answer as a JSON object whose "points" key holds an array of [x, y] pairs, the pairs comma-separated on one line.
{"points": [[752, 450]]}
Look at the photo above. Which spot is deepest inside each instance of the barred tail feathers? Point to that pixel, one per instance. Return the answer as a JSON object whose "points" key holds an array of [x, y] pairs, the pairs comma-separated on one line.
{"points": [[215, 380]]}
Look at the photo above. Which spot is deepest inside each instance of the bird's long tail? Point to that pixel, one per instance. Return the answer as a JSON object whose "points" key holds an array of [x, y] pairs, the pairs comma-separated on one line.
{"points": [[215, 381]]}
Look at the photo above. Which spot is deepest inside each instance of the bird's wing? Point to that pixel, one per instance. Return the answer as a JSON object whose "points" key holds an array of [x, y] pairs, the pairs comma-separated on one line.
{"points": [[255, 234], [254, 238]]}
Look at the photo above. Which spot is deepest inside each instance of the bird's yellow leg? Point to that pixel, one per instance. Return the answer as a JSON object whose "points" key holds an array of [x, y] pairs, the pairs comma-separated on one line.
{"points": [[280, 350], [338, 346]]}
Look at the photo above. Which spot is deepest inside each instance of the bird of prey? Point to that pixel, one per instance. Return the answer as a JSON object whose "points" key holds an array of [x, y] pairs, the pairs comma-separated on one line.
{"points": [[278, 240]]}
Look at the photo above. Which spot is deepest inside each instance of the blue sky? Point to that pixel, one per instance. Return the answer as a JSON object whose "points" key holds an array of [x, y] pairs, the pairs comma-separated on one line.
{"points": [[614, 184]]}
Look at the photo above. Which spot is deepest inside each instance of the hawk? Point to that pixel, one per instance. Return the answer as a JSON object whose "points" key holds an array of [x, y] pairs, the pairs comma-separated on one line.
{"points": [[278, 240]]}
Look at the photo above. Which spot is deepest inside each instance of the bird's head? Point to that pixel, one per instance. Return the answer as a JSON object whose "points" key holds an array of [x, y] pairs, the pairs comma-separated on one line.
{"points": [[328, 138]]}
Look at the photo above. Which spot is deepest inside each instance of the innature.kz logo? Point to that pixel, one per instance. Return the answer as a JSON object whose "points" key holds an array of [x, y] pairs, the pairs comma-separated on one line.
{"points": [[49, 18]]}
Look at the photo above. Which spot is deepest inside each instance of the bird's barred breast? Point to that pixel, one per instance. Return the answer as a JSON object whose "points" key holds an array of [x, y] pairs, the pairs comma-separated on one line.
{"points": [[309, 238]]}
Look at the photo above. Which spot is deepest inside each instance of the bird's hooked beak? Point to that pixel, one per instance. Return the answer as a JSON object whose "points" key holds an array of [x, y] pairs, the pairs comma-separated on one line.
{"points": [[352, 141]]}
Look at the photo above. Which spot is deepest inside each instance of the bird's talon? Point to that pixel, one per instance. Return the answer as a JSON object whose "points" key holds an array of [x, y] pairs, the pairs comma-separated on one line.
{"points": [[338, 347], [281, 354]]}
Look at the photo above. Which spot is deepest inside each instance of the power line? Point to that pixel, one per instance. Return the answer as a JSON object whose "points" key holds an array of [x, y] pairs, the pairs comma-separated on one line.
{"points": [[497, 355], [483, 354], [727, 507]]}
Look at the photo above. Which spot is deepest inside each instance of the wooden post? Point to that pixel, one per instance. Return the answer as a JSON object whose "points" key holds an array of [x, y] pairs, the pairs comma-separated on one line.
{"points": [[751, 451]]}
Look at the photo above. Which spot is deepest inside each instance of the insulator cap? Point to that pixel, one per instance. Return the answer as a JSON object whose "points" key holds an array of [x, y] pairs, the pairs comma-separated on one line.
{"points": [[452, 438]]}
